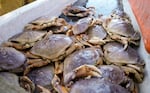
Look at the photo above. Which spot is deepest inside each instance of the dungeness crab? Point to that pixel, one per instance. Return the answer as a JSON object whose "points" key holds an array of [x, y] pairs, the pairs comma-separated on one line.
{"points": [[81, 64], [25, 40], [96, 85], [128, 59], [11, 59], [57, 25], [53, 47], [78, 11]]}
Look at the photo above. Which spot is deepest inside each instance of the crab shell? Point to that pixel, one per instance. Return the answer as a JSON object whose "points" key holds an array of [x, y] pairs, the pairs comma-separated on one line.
{"points": [[96, 85], [49, 24], [42, 76], [77, 11], [82, 25], [9, 83], [120, 14], [96, 34], [25, 39], [10, 77], [114, 53], [79, 61], [122, 31], [11, 58], [112, 73], [52, 46]]}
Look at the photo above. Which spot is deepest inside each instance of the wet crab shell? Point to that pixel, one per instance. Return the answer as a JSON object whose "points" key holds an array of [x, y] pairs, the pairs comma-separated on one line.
{"points": [[120, 14], [90, 56], [27, 37], [122, 28], [57, 25], [9, 83], [114, 53], [10, 58], [112, 73], [51, 47], [96, 85], [75, 9], [10, 77], [96, 33], [42, 76], [82, 25]]}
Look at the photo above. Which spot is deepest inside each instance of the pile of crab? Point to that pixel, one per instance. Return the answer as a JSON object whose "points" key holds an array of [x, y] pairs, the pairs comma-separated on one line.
{"points": [[92, 55]]}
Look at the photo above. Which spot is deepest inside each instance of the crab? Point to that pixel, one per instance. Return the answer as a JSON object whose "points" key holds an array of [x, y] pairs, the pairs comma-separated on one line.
{"points": [[27, 84], [82, 25], [9, 83], [82, 64], [128, 59], [95, 35], [25, 39], [11, 59], [121, 31], [56, 25], [42, 76], [116, 75], [96, 85], [78, 11], [52, 48], [10, 77], [120, 14]]}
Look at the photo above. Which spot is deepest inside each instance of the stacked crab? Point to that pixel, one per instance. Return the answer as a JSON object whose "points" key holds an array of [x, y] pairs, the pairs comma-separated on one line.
{"points": [[94, 55]]}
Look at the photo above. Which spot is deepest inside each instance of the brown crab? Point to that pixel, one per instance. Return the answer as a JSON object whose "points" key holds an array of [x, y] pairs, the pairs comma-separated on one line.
{"points": [[81, 64], [128, 59], [96, 85], [56, 25], [122, 31], [25, 39], [78, 11], [53, 47], [11, 59]]}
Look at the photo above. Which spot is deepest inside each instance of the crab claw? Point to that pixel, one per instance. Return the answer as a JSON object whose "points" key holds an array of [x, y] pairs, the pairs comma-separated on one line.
{"points": [[82, 71], [27, 84], [41, 89], [56, 84], [137, 75]]}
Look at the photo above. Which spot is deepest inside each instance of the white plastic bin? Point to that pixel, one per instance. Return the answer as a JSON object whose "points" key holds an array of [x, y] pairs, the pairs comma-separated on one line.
{"points": [[14, 22]]}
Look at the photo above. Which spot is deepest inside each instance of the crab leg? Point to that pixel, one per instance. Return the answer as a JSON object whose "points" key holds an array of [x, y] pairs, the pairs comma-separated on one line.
{"points": [[27, 84], [82, 71], [36, 64], [138, 76], [56, 84]]}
